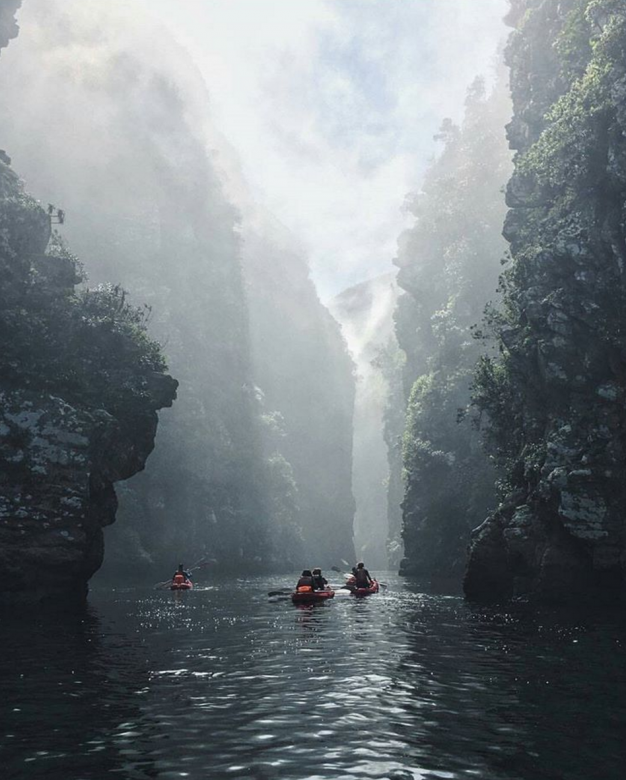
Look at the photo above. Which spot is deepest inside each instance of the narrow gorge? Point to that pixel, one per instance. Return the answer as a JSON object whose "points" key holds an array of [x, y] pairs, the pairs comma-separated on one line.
{"points": [[313, 389]]}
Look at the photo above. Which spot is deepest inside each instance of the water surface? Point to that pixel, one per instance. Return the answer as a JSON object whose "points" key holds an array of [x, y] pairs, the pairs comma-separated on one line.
{"points": [[224, 682]]}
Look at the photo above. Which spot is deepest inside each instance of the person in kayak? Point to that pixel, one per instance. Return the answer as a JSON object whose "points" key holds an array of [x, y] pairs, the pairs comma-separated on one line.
{"points": [[319, 581], [362, 577], [306, 581], [182, 571]]}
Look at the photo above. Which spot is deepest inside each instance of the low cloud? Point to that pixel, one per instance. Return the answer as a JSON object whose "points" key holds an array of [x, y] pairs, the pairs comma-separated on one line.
{"points": [[332, 107]]}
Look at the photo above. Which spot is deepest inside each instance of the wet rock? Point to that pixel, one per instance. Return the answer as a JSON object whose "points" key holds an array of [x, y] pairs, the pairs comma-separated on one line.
{"points": [[51, 517]]}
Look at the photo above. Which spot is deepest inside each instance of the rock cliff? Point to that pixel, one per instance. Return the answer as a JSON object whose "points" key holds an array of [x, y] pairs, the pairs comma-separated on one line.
{"points": [[301, 364], [158, 202], [556, 395], [80, 384], [147, 209], [449, 263]]}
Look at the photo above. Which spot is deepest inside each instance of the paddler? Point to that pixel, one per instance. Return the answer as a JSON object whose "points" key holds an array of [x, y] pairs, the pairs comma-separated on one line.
{"points": [[319, 581], [362, 577], [182, 571], [306, 581]]}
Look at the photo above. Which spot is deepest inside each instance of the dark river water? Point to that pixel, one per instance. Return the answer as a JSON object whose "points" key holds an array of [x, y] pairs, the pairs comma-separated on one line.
{"points": [[225, 682]]}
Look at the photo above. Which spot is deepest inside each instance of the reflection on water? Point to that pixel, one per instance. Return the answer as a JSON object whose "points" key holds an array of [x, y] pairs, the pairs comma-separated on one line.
{"points": [[70, 689], [226, 683]]}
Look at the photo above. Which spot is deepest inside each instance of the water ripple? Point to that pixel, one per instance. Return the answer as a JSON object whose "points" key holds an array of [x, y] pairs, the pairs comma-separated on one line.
{"points": [[225, 683]]}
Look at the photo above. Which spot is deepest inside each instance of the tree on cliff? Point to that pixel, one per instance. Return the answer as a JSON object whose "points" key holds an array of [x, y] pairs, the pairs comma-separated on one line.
{"points": [[555, 395]]}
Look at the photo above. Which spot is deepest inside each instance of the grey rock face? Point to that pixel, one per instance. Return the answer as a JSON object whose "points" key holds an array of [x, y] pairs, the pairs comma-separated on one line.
{"points": [[65, 437], [560, 533], [58, 464]]}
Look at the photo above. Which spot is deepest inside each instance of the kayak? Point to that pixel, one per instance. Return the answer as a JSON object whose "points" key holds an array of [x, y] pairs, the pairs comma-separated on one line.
{"points": [[186, 585], [312, 596], [179, 583], [373, 588]]}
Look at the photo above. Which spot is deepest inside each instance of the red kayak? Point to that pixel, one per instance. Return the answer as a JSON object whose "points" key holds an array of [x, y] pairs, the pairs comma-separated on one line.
{"points": [[373, 588], [308, 596], [180, 583]]}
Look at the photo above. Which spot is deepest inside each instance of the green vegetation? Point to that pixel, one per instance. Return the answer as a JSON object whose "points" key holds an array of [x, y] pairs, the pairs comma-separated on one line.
{"points": [[449, 265], [562, 246], [89, 346], [553, 397]]}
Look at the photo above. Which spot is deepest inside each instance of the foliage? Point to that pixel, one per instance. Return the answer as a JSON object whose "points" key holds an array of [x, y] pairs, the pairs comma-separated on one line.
{"points": [[572, 43], [449, 263], [89, 346], [566, 257]]}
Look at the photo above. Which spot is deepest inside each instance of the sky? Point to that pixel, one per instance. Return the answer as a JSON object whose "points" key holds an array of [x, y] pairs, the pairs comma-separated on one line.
{"points": [[331, 106]]}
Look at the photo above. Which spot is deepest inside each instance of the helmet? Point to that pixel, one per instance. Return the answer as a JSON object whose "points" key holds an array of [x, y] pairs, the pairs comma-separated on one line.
{"points": [[306, 573], [317, 571]]}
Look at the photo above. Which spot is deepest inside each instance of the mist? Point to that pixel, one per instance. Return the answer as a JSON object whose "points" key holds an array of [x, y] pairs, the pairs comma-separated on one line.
{"points": [[312, 389], [147, 191], [235, 166], [332, 107], [365, 313]]}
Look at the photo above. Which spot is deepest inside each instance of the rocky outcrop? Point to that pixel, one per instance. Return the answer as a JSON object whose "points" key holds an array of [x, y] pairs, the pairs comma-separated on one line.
{"points": [[80, 385], [556, 396], [8, 26], [58, 465]]}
